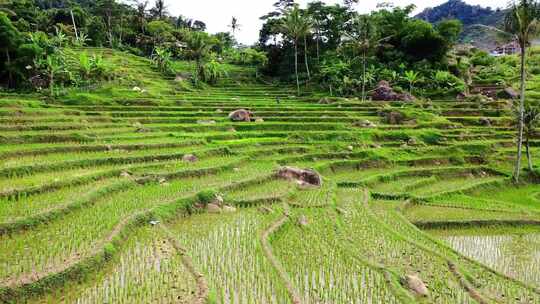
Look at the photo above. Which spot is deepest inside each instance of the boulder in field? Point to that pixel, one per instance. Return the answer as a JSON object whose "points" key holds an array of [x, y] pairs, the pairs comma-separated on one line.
{"points": [[393, 117], [218, 200], [304, 176], [364, 123], [509, 93], [484, 121], [213, 208], [189, 158], [384, 92], [240, 115], [416, 285]]}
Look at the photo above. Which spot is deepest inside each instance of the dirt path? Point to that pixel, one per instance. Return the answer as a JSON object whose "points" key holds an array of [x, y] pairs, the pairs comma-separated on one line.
{"points": [[202, 286], [267, 249]]}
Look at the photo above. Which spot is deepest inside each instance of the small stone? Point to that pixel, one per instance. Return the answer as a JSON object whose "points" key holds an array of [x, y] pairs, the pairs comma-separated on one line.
{"points": [[229, 209], [350, 148], [303, 221], [416, 285], [213, 208], [189, 158]]}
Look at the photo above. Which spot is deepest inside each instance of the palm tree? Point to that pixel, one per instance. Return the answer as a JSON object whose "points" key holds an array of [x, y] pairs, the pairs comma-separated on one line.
{"points": [[364, 39], [160, 9], [531, 118], [522, 22], [306, 26], [412, 78], [198, 46], [296, 26], [235, 26], [140, 15]]}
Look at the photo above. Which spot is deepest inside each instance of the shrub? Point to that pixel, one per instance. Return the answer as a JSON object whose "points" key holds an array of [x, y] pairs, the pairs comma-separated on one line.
{"points": [[206, 196]]}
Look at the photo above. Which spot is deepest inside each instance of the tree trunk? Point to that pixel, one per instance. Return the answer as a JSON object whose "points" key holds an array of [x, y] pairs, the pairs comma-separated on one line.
{"points": [[51, 82], [306, 58], [517, 168], [529, 159], [296, 66], [318, 50], [109, 30], [363, 76], [74, 25], [8, 68]]}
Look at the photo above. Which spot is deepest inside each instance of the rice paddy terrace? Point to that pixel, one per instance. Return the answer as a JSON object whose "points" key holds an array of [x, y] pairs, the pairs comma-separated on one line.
{"points": [[102, 203]]}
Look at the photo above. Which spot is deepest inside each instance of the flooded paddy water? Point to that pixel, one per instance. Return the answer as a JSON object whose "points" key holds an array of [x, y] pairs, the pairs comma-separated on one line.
{"points": [[511, 250]]}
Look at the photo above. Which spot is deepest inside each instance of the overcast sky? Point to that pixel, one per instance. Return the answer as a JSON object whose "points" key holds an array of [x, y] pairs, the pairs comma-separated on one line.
{"points": [[217, 14]]}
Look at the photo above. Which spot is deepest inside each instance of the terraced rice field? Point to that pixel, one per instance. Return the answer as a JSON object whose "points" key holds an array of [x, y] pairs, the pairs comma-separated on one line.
{"points": [[99, 205]]}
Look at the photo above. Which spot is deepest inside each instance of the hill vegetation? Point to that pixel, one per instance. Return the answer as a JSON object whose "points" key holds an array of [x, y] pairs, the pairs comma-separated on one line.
{"points": [[482, 25], [163, 164]]}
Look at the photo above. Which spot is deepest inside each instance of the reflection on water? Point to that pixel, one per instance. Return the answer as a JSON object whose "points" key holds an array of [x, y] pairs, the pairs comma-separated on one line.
{"points": [[516, 255]]}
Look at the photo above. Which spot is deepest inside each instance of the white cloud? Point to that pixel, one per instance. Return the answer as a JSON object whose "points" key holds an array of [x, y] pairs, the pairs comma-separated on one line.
{"points": [[217, 14]]}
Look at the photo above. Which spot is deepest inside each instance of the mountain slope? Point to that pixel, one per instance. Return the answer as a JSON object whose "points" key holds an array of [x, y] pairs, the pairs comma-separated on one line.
{"points": [[480, 23]]}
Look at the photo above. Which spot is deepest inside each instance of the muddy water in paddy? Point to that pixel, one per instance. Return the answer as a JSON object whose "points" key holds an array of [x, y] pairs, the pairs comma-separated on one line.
{"points": [[514, 251]]}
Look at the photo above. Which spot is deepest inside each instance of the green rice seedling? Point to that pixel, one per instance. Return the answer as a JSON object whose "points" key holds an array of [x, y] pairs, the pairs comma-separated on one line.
{"points": [[61, 243], [321, 269], [149, 269], [227, 250], [492, 284], [24, 206]]}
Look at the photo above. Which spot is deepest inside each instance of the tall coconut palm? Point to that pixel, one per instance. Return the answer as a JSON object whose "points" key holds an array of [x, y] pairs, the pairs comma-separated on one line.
{"points": [[306, 27], [296, 26], [199, 45], [522, 21], [235, 26], [531, 119], [364, 38]]}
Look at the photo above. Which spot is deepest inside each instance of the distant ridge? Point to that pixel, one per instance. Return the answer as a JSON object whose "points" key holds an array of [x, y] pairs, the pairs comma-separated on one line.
{"points": [[481, 24]]}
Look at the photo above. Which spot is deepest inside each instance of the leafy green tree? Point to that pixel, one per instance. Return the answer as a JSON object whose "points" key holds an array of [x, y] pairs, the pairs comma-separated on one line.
{"points": [[333, 71], [10, 39], [523, 22], [450, 30], [421, 41], [160, 31]]}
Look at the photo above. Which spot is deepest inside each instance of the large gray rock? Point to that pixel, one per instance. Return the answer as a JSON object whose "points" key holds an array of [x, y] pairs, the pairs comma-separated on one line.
{"points": [[303, 176], [189, 158], [416, 285], [384, 92], [240, 115]]}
